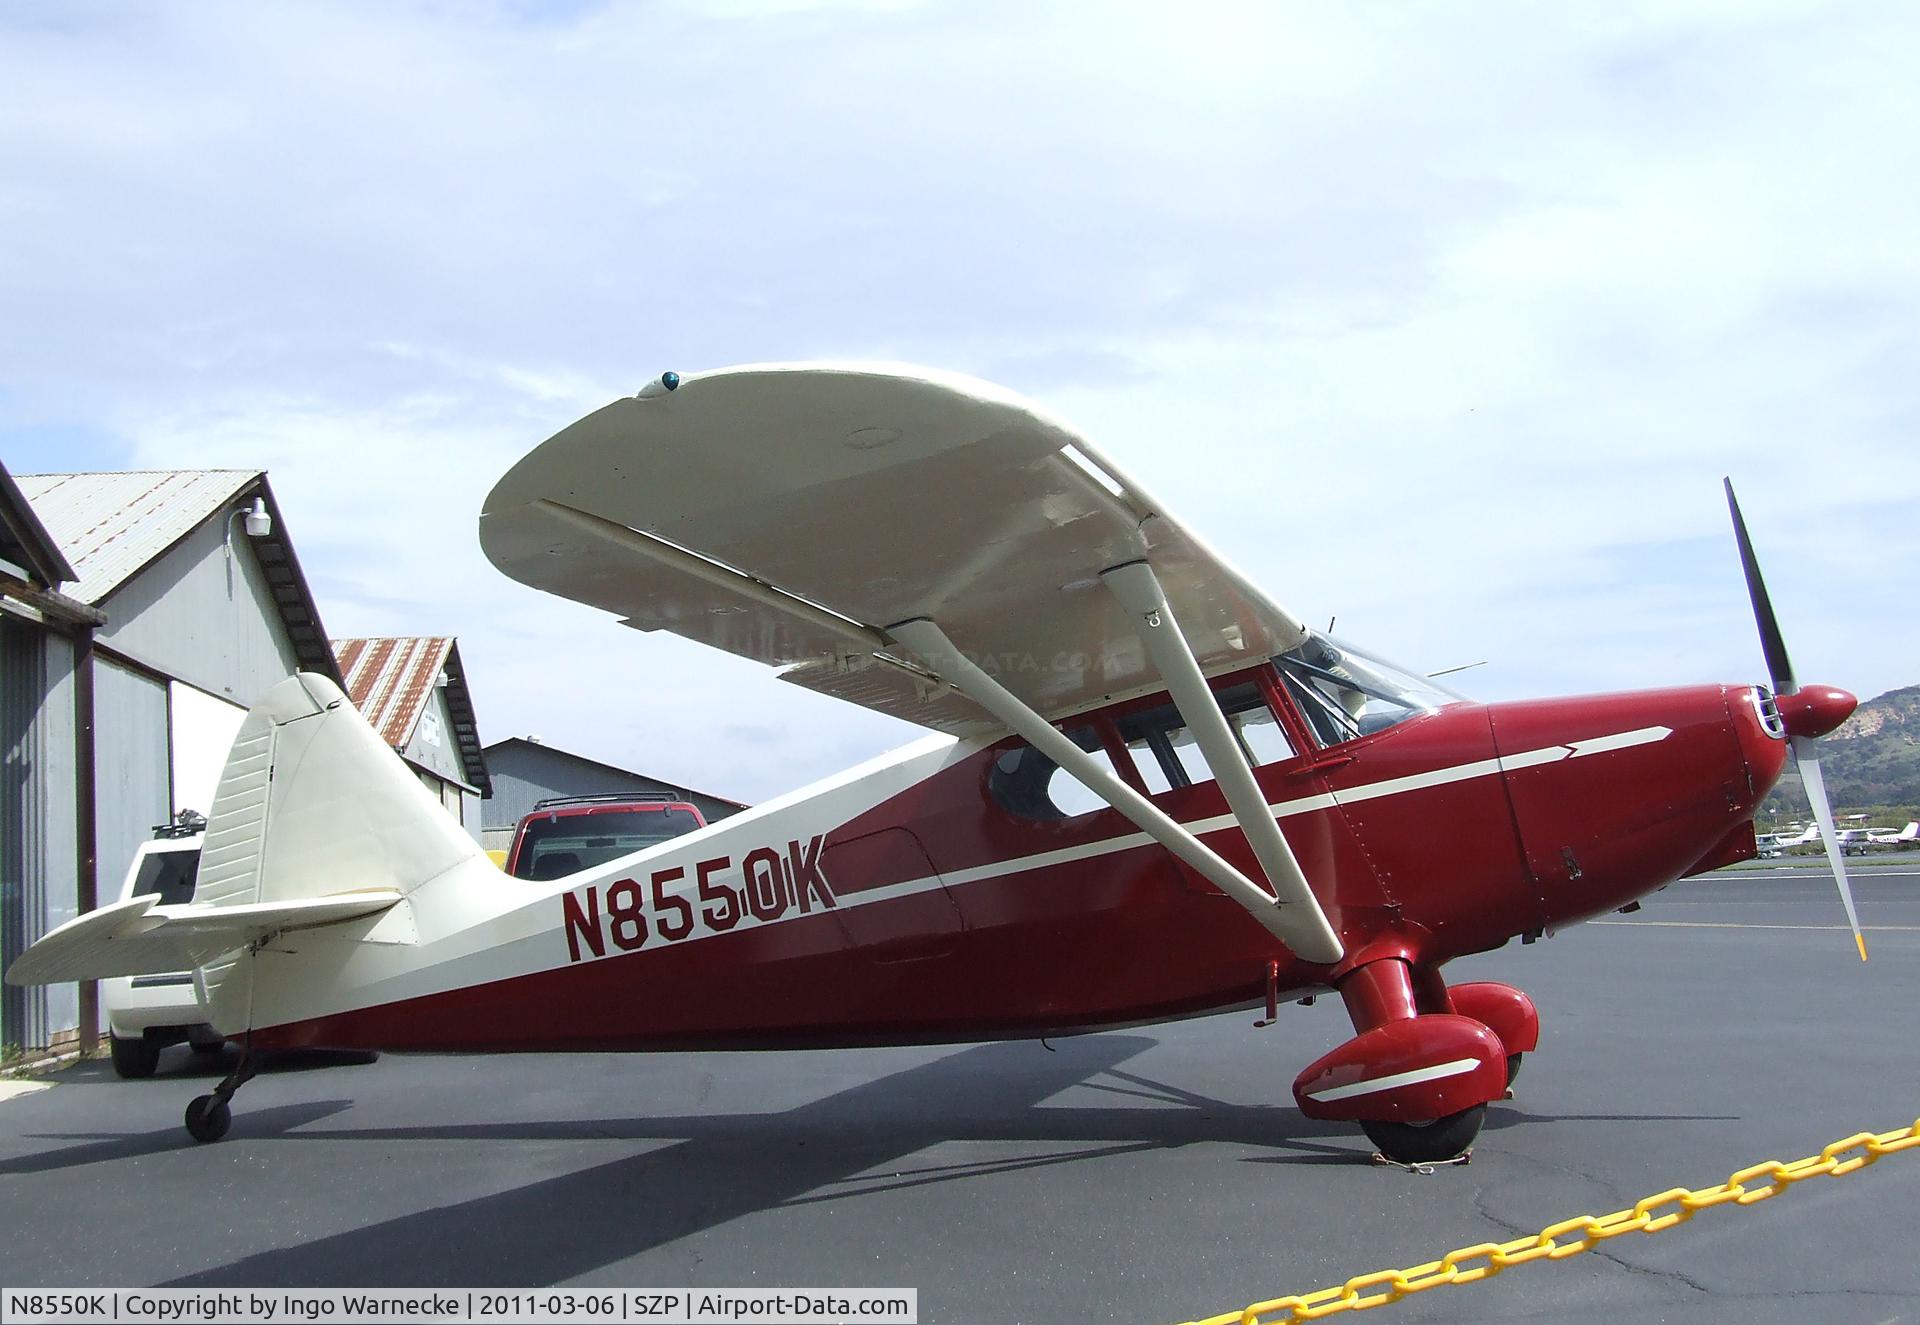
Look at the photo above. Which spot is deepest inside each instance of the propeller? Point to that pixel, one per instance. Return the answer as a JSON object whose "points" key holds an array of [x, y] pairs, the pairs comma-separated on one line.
{"points": [[1808, 714]]}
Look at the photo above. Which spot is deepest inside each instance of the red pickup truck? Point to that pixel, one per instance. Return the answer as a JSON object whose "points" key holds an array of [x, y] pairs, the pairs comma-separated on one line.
{"points": [[568, 834]]}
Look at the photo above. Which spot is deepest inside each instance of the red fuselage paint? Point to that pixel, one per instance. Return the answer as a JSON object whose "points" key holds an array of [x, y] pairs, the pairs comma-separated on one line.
{"points": [[1444, 835]]}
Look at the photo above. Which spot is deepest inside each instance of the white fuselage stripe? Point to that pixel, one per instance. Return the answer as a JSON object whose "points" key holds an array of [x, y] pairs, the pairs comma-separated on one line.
{"points": [[1438, 777], [1374, 1085]]}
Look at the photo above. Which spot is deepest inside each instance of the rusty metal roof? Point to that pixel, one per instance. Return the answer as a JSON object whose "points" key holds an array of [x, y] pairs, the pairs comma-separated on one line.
{"points": [[392, 680], [112, 526]]}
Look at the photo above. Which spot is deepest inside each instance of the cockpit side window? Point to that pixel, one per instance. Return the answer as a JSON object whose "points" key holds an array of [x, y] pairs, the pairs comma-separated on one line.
{"points": [[1161, 749], [1166, 755], [1343, 693]]}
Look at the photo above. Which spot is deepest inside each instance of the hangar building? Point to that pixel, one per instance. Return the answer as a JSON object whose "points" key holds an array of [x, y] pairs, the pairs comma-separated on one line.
{"points": [[141, 615], [526, 770], [413, 691]]}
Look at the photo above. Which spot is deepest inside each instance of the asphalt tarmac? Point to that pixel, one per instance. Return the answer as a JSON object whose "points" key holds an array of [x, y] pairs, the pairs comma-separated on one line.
{"points": [[1156, 1175]]}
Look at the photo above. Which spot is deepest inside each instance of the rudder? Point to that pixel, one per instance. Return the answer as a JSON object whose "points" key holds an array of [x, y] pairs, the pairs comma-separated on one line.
{"points": [[312, 803]]}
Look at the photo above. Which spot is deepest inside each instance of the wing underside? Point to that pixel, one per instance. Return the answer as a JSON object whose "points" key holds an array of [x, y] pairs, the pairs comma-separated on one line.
{"points": [[926, 545], [790, 514]]}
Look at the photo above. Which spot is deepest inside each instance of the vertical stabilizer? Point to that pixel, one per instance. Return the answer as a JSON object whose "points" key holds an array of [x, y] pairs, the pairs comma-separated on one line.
{"points": [[312, 804]]}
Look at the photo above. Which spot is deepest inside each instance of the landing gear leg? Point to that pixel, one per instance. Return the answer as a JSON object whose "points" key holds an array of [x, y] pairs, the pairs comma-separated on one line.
{"points": [[1416, 1076], [209, 1116]]}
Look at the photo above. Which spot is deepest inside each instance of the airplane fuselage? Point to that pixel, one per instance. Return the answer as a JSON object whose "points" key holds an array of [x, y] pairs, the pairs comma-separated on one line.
{"points": [[927, 896]]}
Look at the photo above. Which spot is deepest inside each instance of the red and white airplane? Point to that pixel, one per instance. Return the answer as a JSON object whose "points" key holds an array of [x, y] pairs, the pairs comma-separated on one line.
{"points": [[1153, 793]]}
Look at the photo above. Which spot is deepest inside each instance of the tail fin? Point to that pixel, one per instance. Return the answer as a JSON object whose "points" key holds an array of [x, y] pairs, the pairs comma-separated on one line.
{"points": [[313, 803], [315, 822]]}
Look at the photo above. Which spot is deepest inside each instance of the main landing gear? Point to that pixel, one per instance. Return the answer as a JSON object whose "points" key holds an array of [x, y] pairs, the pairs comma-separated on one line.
{"points": [[209, 1116], [1425, 1062]]}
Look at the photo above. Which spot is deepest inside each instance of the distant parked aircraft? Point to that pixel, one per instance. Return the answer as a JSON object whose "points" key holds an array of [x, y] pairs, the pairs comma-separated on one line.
{"points": [[1772, 844], [1889, 838]]}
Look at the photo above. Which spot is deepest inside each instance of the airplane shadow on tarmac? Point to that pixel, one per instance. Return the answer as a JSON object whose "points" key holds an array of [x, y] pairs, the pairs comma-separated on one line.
{"points": [[726, 1166], [100, 1147]]}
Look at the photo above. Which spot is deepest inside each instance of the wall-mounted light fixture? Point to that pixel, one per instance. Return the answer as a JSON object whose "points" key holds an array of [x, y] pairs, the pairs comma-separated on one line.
{"points": [[259, 525]]}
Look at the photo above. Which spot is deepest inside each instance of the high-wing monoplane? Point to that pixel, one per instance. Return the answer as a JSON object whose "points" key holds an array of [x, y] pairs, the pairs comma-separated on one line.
{"points": [[1151, 791]]}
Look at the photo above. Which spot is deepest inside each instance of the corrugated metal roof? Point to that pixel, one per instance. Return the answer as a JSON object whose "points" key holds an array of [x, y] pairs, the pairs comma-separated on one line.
{"points": [[110, 526], [391, 681]]}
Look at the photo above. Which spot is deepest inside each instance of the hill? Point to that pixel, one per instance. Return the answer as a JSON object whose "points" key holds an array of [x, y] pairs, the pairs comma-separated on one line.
{"points": [[1872, 764]]}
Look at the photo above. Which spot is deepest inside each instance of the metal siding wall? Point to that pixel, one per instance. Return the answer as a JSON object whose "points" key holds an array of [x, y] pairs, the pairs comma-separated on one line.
{"points": [[443, 754], [22, 852], [133, 774], [186, 617], [60, 822], [37, 870]]}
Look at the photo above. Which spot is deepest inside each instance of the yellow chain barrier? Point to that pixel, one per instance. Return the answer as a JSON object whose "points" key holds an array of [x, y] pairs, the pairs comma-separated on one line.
{"points": [[1655, 1214]]}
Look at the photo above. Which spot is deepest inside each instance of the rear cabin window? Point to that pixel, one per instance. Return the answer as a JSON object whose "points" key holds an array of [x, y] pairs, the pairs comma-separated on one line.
{"points": [[563, 844], [1029, 784], [171, 874]]}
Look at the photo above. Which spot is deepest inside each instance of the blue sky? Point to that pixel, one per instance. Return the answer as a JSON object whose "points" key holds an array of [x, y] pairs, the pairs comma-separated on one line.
{"points": [[1443, 320]]}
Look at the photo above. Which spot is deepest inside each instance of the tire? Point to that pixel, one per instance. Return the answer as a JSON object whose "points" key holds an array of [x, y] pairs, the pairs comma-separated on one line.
{"points": [[133, 1058], [1513, 1066], [208, 1118], [1427, 1143]]}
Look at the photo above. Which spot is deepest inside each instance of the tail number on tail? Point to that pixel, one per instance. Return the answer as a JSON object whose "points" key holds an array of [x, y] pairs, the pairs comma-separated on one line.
{"points": [[623, 915]]}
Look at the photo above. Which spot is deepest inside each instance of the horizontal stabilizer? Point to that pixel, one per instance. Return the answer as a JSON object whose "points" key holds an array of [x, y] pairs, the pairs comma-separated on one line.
{"points": [[138, 937]]}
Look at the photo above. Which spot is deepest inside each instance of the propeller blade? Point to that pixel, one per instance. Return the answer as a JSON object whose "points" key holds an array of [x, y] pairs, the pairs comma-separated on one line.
{"points": [[1816, 784], [1779, 668]]}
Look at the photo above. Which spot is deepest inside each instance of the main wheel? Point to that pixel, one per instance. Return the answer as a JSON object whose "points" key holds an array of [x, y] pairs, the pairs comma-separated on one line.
{"points": [[1513, 1066], [1430, 1142], [133, 1057], [208, 1118]]}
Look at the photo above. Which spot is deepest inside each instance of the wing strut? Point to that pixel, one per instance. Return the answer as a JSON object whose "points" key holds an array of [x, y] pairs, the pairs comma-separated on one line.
{"points": [[926, 638], [1139, 592]]}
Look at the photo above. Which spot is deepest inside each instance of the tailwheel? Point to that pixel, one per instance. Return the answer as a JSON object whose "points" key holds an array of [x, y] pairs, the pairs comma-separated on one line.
{"points": [[1428, 1142], [208, 1118]]}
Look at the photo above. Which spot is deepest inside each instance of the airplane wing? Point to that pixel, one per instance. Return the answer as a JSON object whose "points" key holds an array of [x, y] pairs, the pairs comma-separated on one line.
{"points": [[138, 937], [791, 513], [924, 544]]}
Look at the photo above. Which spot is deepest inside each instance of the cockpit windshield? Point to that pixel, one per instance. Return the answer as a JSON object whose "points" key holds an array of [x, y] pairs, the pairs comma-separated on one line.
{"points": [[1343, 692]]}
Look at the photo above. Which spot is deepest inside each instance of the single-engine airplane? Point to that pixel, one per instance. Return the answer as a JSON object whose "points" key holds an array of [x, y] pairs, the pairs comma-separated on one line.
{"points": [[1152, 793], [1896, 837]]}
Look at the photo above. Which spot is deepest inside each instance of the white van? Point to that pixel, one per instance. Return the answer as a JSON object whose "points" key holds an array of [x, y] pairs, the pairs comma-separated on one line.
{"points": [[147, 1013]]}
